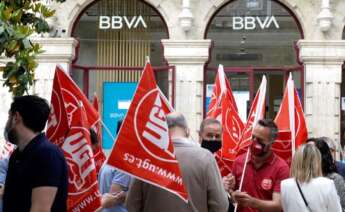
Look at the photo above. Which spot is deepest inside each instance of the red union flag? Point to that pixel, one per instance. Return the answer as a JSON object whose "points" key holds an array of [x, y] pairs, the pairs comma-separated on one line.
{"points": [[143, 147], [257, 112], [221, 85], [99, 155], [95, 102], [291, 124], [83, 193], [64, 102], [57, 122], [223, 165], [232, 129], [68, 127]]}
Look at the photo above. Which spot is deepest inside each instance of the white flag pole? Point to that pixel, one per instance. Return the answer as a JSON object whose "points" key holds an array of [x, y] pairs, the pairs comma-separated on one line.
{"points": [[147, 59], [243, 174], [291, 98], [259, 109], [107, 130]]}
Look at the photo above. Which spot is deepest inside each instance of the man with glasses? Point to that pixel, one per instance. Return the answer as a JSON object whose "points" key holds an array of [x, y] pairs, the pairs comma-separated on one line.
{"points": [[263, 173]]}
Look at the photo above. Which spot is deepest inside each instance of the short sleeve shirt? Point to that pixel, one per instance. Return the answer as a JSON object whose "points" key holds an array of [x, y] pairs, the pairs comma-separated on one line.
{"points": [[3, 172], [3, 169], [107, 177], [260, 183], [41, 163]]}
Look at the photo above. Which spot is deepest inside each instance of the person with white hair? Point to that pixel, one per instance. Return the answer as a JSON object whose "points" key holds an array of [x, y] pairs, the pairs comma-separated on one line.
{"points": [[200, 175]]}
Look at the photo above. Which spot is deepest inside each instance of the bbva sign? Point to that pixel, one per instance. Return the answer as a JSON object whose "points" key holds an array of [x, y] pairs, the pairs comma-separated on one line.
{"points": [[118, 22], [251, 22]]}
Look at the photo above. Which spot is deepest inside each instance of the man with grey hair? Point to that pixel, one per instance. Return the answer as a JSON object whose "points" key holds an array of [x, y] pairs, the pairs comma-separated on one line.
{"points": [[333, 148], [199, 173]]}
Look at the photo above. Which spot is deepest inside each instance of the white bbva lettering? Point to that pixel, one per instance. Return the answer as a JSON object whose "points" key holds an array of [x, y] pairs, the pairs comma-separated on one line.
{"points": [[118, 22], [237, 23], [104, 22], [158, 125], [274, 21], [250, 23], [129, 23], [76, 145]]}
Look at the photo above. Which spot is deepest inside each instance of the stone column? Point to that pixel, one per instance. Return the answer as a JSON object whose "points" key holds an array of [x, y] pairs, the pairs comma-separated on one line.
{"points": [[189, 57], [56, 51], [322, 68]]}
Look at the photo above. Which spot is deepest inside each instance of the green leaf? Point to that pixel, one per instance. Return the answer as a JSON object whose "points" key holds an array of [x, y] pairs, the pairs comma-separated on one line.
{"points": [[37, 7], [26, 5], [32, 64], [46, 12], [12, 45], [6, 14], [36, 47], [41, 26], [9, 71], [22, 32], [17, 15], [26, 43]]}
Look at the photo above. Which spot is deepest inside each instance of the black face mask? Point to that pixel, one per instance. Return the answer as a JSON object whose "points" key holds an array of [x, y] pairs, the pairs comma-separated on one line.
{"points": [[212, 145], [10, 134]]}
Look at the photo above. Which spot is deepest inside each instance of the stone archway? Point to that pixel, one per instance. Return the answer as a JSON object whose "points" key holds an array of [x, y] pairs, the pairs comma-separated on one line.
{"points": [[216, 6], [68, 13]]}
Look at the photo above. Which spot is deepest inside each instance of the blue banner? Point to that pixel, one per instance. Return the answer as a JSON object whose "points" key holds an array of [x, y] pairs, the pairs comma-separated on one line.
{"points": [[116, 100]]}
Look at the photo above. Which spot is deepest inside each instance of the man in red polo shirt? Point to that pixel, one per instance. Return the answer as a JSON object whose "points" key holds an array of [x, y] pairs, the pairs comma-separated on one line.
{"points": [[264, 172]]}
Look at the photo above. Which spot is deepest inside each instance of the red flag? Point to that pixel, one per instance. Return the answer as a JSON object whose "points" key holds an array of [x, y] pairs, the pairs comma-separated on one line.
{"points": [[143, 148], [291, 124], [65, 97], [83, 193], [223, 165], [301, 130], [68, 127], [221, 85], [95, 102], [232, 129], [58, 124], [257, 112], [99, 155], [223, 107]]}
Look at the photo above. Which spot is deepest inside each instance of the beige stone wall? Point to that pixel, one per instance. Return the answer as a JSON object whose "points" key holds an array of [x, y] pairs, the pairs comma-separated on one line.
{"points": [[322, 54]]}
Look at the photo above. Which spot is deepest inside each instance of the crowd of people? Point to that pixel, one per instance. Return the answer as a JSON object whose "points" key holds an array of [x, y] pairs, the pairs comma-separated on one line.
{"points": [[35, 177]]}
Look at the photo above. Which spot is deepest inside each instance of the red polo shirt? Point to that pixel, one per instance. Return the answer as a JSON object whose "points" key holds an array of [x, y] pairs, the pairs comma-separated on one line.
{"points": [[262, 182]]}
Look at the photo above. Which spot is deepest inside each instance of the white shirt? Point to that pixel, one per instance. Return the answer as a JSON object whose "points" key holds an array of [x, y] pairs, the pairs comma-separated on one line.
{"points": [[320, 193]]}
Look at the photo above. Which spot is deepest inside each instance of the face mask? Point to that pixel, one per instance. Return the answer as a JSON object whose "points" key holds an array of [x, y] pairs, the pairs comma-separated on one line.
{"points": [[212, 145], [258, 149], [10, 134]]}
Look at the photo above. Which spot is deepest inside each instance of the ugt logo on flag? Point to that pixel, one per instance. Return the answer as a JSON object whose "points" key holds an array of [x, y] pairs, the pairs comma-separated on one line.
{"points": [[143, 147]]}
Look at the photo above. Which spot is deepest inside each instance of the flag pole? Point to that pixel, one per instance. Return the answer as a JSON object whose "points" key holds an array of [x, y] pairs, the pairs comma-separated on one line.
{"points": [[243, 174], [107, 130]]}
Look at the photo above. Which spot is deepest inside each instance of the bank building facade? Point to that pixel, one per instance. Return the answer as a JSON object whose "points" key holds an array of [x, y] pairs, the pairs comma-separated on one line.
{"points": [[103, 44]]}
